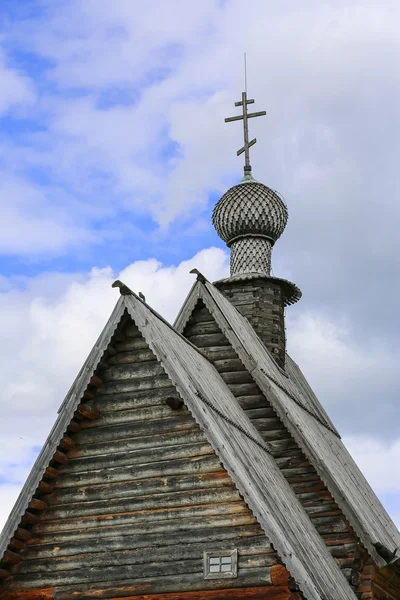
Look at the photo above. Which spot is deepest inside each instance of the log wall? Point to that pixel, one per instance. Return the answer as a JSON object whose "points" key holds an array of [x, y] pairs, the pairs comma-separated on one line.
{"points": [[203, 331], [139, 497], [261, 302]]}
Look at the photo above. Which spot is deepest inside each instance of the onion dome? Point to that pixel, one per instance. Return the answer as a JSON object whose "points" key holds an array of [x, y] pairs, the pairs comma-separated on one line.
{"points": [[250, 208]]}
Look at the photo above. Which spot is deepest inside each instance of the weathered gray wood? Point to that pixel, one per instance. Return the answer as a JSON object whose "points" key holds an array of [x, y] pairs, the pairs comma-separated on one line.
{"points": [[202, 464], [162, 411], [148, 540], [252, 547], [145, 521], [142, 456], [132, 357], [237, 377], [141, 503], [209, 339], [137, 370], [135, 429], [165, 584], [156, 440], [135, 385], [138, 399], [310, 563]]}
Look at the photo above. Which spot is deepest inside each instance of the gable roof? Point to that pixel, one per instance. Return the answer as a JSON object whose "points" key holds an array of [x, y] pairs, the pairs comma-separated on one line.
{"points": [[234, 438], [303, 415]]}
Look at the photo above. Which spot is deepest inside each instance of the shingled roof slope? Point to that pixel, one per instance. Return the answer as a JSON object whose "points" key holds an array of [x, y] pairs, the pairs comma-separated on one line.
{"points": [[234, 438], [303, 415]]}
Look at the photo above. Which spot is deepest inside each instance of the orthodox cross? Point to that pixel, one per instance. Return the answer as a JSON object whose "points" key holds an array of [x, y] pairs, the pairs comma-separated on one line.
{"points": [[245, 116]]}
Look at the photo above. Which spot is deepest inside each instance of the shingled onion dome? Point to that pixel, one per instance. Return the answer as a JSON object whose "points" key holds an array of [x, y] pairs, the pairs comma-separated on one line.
{"points": [[250, 217]]}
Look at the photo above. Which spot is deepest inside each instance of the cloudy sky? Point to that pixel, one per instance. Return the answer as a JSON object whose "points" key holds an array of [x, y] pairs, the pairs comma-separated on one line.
{"points": [[113, 151]]}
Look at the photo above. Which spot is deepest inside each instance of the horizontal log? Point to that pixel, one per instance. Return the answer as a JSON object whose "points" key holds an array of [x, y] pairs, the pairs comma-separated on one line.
{"points": [[122, 572], [256, 549], [126, 525], [131, 371], [88, 395], [66, 443], [23, 534], [186, 517], [182, 466], [279, 575], [208, 339], [11, 558], [29, 519], [44, 487], [191, 434], [244, 389], [260, 413], [222, 535], [77, 463], [177, 584], [131, 344], [134, 385], [139, 399], [253, 402], [29, 594], [84, 411], [251, 593], [16, 544], [73, 426], [219, 353], [175, 422], [237, 377], [142, 503], [143, 487], [129, 416], [201, 327], [95, 381], [37, 504], [330, 525], [131, 330], [60, 457], [130, 356], [51, 473], [4, 574]]}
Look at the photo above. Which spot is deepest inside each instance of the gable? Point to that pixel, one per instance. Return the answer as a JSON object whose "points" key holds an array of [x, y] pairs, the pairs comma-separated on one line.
{"points": [[202, 329], [239, 446], [303, 416], [141, 496]]}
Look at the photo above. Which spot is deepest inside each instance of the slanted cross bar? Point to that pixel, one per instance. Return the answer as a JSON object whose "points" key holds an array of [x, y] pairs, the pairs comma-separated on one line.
{"points": [[245, 116]]}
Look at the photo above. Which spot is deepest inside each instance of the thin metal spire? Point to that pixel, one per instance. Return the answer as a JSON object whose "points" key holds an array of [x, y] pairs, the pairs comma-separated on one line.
{"points": [[245, 116]]}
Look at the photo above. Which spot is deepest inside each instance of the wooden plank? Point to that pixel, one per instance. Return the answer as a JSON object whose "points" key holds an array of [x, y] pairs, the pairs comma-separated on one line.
{"points": [[29, 594], [172, 424], [132, 488], [182, 466], [254, 551], [186, 517], [141, 503]]}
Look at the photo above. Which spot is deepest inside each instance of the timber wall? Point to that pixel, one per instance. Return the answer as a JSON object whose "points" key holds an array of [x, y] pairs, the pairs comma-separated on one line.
{"points": [[203, 331], [140, 497]]}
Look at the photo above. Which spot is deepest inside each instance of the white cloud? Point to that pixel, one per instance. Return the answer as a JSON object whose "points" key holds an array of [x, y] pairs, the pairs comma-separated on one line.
{"points": [[379, 462], [16, 89], [356, 381]]}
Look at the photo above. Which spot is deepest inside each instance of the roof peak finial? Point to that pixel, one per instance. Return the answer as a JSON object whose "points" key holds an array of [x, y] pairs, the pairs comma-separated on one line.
{"points": [[245, 116]]}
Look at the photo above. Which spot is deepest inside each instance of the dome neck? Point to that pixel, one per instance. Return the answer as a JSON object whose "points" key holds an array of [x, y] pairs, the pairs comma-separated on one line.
{"points": [[250, 254]]}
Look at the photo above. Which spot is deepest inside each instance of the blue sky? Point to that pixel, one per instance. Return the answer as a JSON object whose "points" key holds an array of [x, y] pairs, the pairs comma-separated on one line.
{"points": [[113, 152]]}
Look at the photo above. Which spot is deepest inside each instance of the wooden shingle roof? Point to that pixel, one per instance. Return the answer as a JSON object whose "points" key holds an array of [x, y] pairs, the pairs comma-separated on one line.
{"points": [[305, 418]]}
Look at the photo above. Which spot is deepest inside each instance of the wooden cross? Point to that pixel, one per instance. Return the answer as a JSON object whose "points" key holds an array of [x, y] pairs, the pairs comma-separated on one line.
{"points": [[245, 116]]}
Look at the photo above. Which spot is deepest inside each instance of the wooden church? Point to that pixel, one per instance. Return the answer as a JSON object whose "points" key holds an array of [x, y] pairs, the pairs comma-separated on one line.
{"points": [[194, 462]]}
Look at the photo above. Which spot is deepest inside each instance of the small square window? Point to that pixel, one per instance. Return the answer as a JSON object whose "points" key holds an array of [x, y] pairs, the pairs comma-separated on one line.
{"points": [[221, 564]]}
